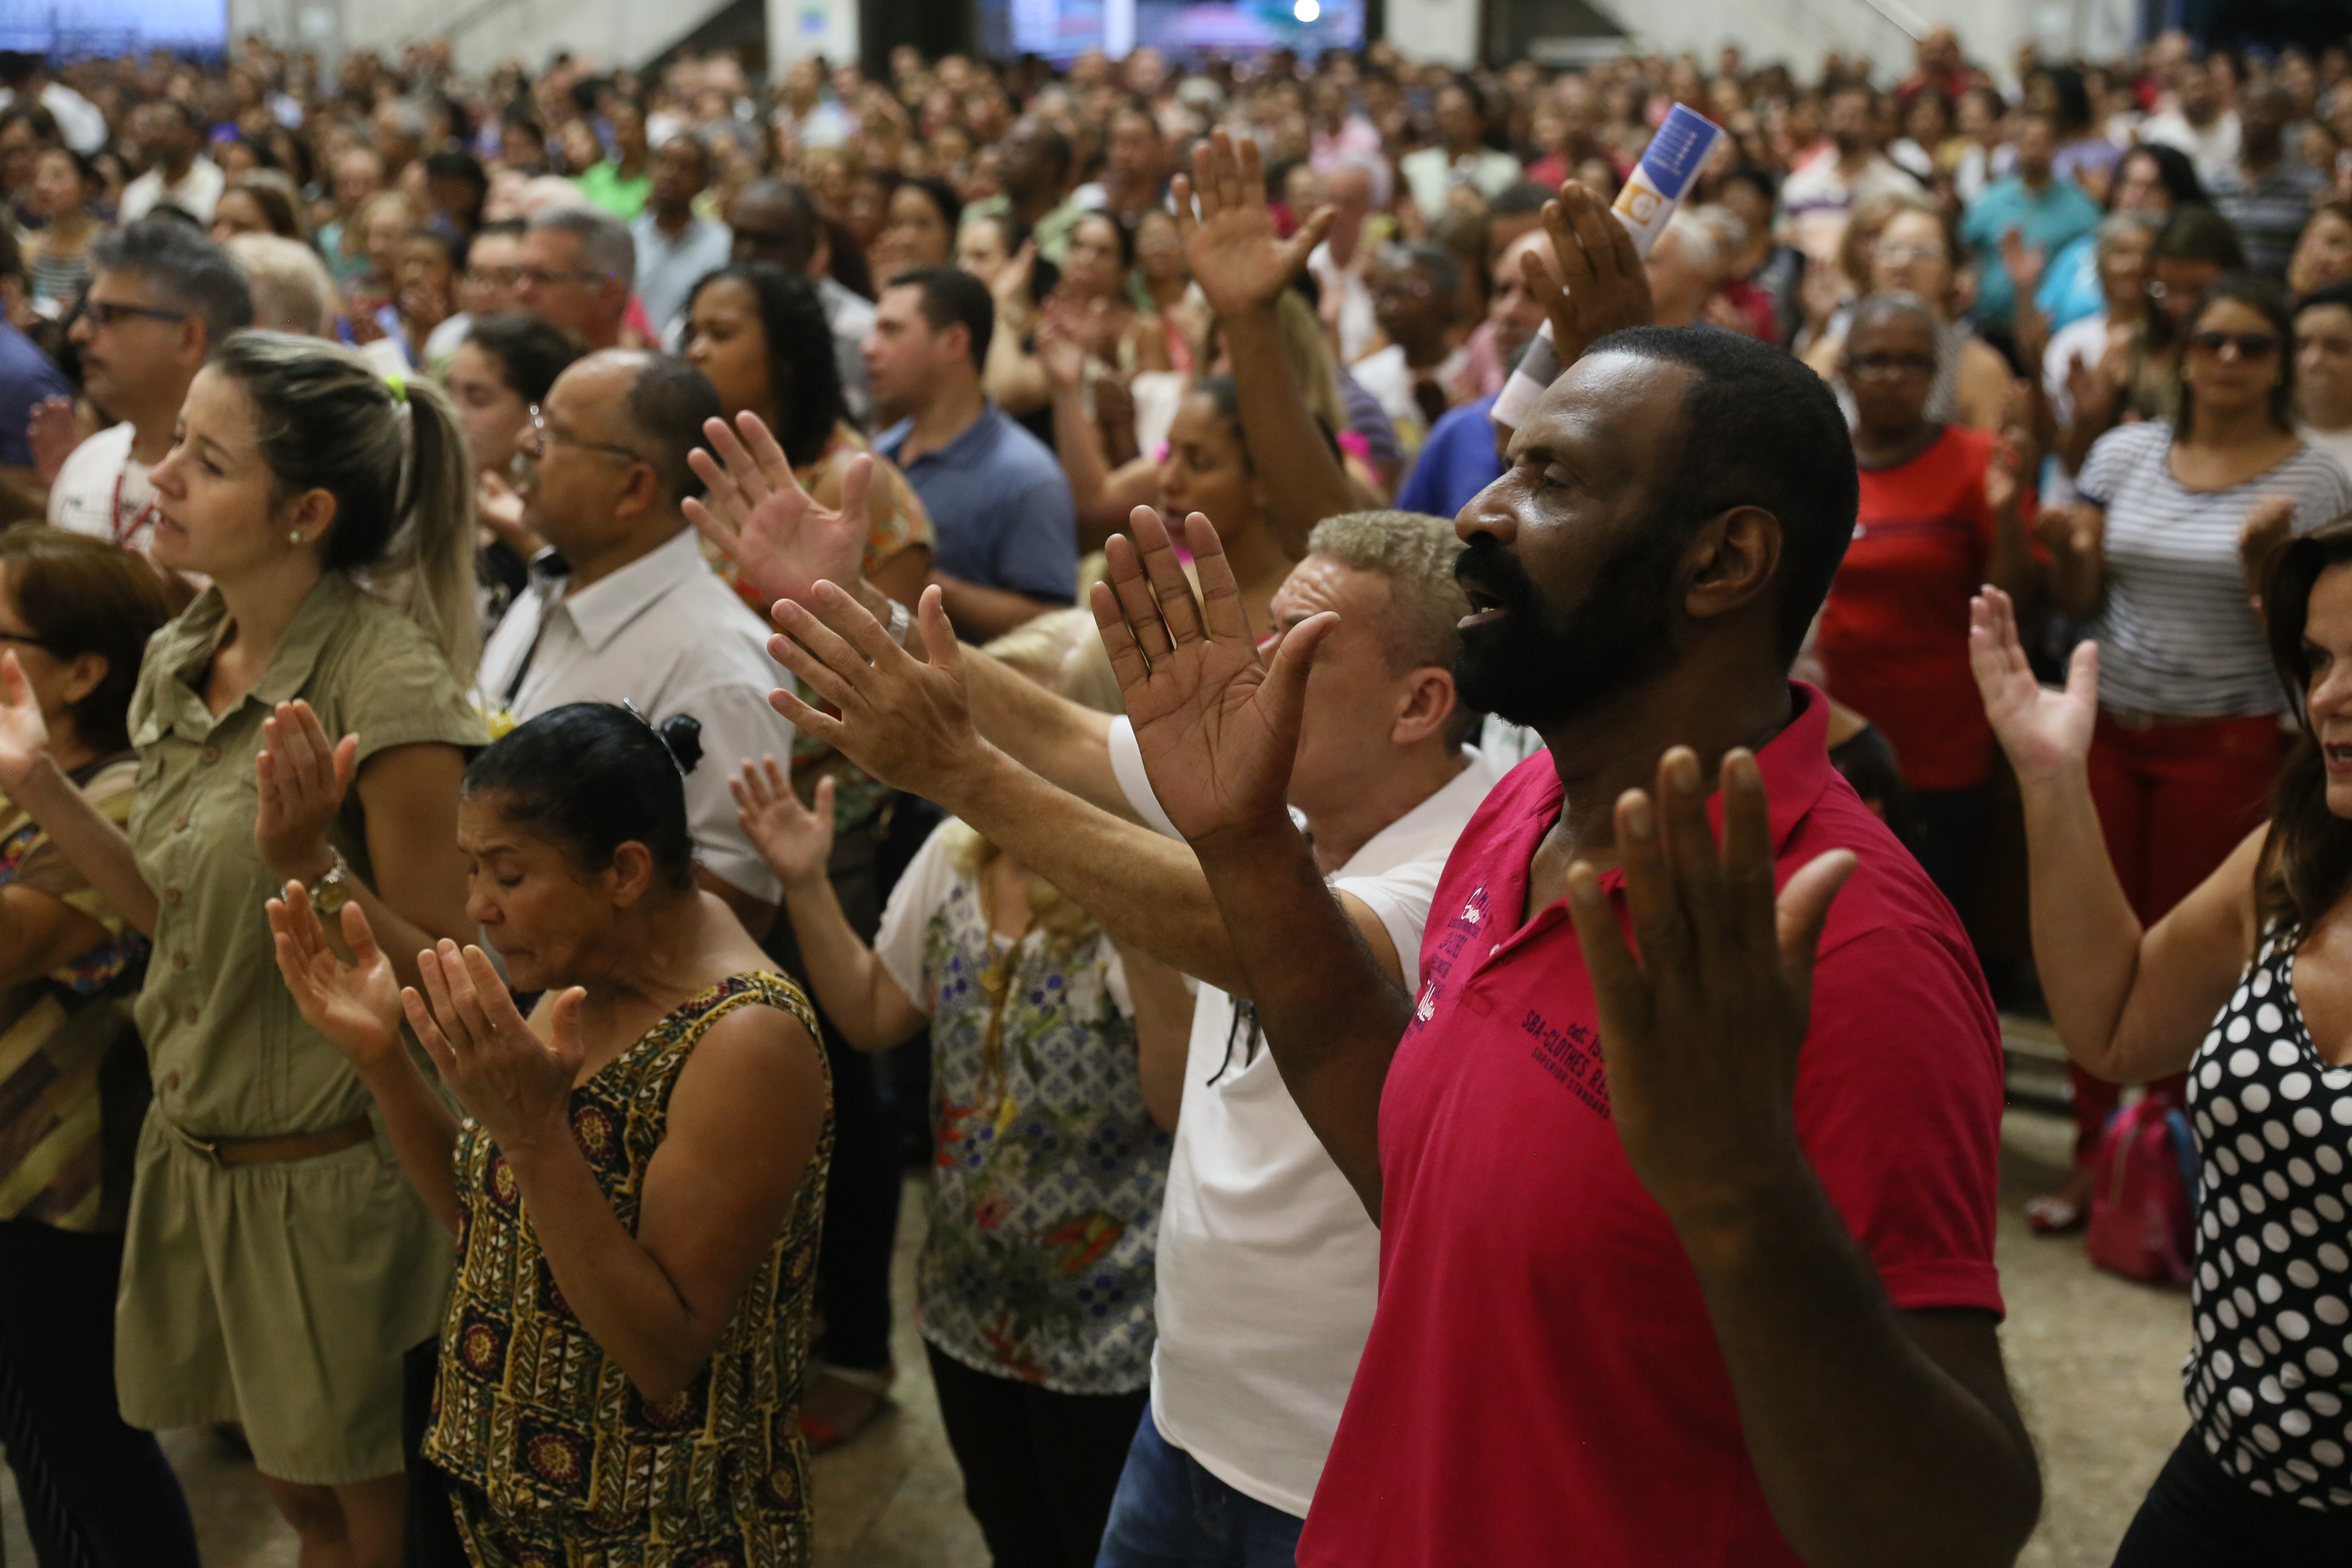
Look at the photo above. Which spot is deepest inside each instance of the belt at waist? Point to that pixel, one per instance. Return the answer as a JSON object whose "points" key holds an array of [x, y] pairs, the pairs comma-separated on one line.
{"points": [[277, 1149]]}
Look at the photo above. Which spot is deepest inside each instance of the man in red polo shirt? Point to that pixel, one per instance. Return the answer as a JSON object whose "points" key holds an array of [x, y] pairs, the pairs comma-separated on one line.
{"points": [[1685, 1259]]}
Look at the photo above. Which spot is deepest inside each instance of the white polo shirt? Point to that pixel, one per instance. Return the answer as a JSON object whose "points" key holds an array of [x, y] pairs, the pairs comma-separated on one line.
{"points": [[665, 633], [1268, 1267]]}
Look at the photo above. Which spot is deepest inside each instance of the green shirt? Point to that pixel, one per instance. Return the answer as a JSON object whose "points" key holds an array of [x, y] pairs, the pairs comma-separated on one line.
{"points": [[604, 188], [230, 1053]]}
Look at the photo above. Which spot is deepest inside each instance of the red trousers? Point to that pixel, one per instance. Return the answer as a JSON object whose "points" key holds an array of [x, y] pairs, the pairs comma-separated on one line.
{"points": [[2174, 800]]}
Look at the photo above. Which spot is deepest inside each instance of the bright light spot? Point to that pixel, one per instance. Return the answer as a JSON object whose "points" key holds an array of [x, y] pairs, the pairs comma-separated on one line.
{"points": [[1307, 10]]}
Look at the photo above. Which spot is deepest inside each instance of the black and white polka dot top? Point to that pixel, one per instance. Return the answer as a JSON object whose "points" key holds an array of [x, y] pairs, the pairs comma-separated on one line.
{"points": [[2269, 1375]]}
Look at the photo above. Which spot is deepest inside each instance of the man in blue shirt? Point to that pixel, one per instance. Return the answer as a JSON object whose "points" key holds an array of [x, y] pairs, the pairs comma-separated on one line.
{"points": [[2049, 214], [1456, 462], [1008, 530], [27, 379]]}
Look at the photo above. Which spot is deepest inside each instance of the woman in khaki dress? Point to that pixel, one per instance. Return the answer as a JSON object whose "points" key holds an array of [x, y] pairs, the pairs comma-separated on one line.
{"points": [[277, 1265]]}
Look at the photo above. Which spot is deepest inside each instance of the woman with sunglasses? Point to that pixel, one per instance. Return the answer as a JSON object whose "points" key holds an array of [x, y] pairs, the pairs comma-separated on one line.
{"points": [[2148, 553], [2243, 994]]}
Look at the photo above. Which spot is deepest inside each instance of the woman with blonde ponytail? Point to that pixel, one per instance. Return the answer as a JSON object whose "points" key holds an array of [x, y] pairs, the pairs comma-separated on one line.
{"points": [[305, 721]]}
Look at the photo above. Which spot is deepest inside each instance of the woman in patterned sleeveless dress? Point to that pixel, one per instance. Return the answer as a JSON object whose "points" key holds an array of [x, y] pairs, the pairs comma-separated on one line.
{"points": [[2246, 986], [619, 1370]]}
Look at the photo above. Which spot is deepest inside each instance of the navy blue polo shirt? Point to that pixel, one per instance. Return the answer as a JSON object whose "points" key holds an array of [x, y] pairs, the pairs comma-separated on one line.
{"points": [[1000, 504], [26, 377], [1456, 462]]}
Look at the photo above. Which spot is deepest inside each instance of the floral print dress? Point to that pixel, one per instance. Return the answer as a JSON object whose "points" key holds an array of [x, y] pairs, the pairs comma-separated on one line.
{"points": [[1048, 1171]]}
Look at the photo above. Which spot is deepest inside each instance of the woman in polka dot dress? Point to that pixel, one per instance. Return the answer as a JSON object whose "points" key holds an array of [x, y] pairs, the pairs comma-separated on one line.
{"points": [[2246, 986]]}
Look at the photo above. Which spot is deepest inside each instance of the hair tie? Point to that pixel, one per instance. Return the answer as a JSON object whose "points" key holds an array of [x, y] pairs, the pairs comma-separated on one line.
{"points": [[399, 384], [680, 735]]}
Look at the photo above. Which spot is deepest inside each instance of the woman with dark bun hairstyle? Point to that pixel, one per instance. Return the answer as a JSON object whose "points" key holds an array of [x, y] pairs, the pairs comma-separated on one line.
{"points": [[619, 1374]]}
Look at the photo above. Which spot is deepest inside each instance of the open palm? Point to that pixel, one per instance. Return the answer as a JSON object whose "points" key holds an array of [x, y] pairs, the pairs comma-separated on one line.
{"points": [[2045, 733], [1237, 258], [1217, 727], [355, 1005], [755, 513], [796, 840]]}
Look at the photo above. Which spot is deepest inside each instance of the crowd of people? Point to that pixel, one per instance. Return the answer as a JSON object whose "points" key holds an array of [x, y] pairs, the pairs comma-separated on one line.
{"points": [[577, 646]]}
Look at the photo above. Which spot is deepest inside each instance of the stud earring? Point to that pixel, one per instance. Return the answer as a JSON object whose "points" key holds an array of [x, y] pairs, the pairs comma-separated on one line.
{"points": [[293, 536]]}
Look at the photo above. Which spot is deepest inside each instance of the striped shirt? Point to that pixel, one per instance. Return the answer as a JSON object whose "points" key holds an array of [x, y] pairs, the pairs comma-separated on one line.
{"points": [[2177, 634]]}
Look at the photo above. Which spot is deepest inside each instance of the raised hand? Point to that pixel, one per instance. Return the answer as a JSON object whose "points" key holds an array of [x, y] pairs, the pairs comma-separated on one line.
{"points": [[904, 719], [303, 777], [2068, 533], [1701, 1035], [24, 733], [2025, 264], [50, 433], [1060, 352], [1012, 287], [2046, 733], [1218, 728], [357, 1005], [756, 513], [499, 509], [518, 1086], [1599, 284], [1238, 260], [796, 840]]}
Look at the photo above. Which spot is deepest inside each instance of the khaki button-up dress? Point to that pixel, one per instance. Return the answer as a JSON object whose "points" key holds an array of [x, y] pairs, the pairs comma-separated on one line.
{"points": [[280, 1295]]}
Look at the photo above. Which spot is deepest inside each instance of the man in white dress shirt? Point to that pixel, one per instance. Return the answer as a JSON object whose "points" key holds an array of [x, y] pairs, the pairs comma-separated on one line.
{"points": [[623, 608]]}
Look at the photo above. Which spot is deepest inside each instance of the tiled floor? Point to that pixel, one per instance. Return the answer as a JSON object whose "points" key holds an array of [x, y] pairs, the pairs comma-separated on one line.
{"points": [[2095, 1361]]}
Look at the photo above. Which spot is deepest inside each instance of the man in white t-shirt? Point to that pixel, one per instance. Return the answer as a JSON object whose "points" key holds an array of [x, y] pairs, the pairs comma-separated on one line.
{"points": [[2197, 123], [161, 297], [1267, 1264]]}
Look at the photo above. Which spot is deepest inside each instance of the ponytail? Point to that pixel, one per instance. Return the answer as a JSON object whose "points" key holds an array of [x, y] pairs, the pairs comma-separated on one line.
{"points": [[394, 458]]}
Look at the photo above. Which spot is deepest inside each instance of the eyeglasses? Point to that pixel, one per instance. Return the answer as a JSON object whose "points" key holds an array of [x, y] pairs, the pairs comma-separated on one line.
{"points": [[543, 435], [1887, 366], [496, 276], [2249, 345], [1895, 255], [112, 314]]}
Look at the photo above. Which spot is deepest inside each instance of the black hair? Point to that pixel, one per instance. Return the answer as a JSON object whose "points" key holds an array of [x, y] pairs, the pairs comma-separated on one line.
{"points": [[1057, 147], [592, 776], [1761, 180], [2271, 303], [1761, 429], [2334, 294], [806, 224], [2072, 100], [12, 254], [507, 227], [1120, 226], [453, 166], [2173, 171], [530, 352], [953, 297], [668, 402], [942, 195], [187, 270], [1226, 393], [804, 376], [1523, 198]]}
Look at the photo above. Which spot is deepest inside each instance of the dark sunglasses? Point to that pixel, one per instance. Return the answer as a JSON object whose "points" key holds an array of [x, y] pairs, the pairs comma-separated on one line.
{"points": [[2250, 345]]}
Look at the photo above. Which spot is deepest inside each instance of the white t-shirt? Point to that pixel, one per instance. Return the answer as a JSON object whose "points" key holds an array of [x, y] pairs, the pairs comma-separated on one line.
{"points": [[1269, 1268], [102, 491], [197, 192], [2212, 149], [2336, 444]]}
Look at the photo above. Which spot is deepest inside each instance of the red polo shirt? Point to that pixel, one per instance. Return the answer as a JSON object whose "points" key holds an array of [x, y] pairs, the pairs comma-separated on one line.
{"points": [[1542, 1384]]}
